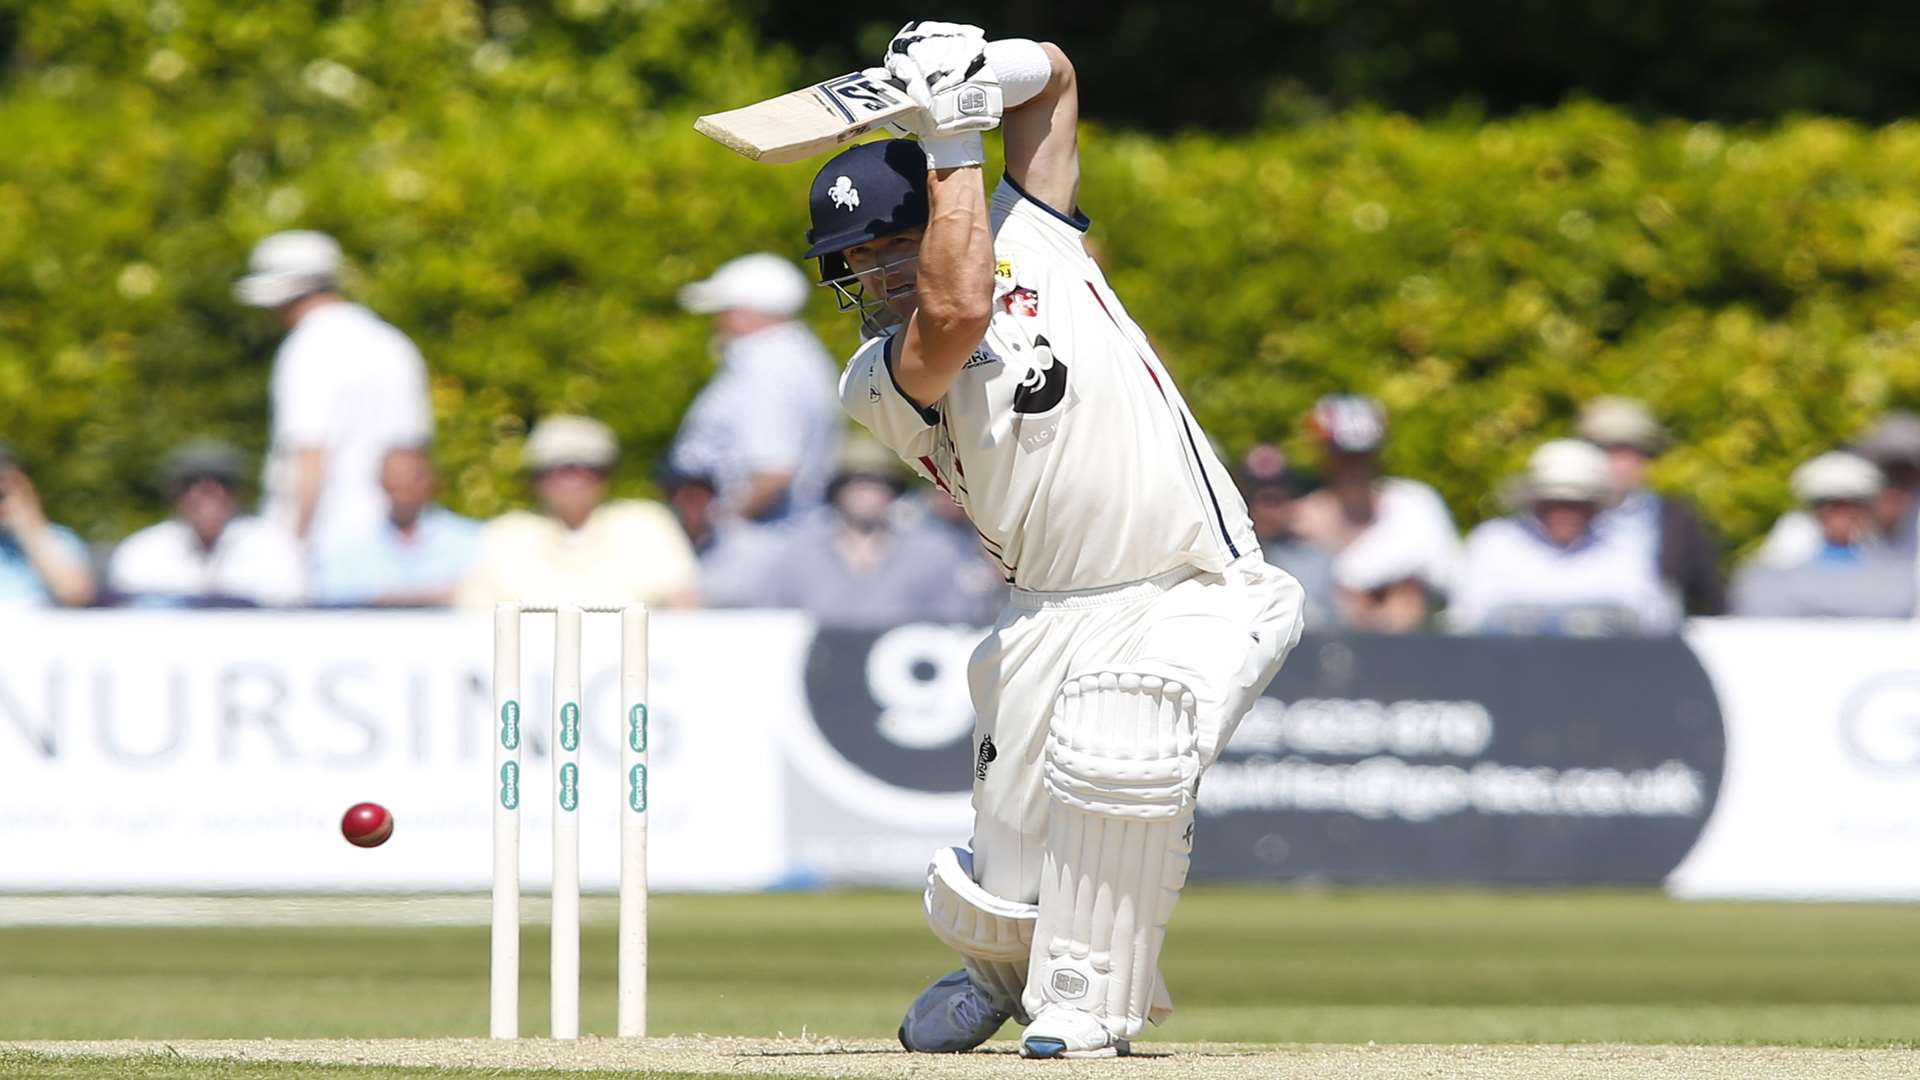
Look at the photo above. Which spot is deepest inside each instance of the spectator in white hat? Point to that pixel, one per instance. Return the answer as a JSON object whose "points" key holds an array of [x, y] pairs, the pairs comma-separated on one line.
{"points": [[579, 547], [1393, 540], [766, 430], [1552, 568], [1893, 445], [346, 387], [1671, 531], [1850, 572]]}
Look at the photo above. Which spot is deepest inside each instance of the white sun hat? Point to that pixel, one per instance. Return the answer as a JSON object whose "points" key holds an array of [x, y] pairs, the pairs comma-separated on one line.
{"points": [[287, 266], [1568, 470], [765, 283], [570, 440], [1837, 476]]}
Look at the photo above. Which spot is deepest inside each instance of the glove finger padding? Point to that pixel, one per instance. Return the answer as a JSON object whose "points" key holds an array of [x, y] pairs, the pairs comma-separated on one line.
{"points": [[950, 77]]}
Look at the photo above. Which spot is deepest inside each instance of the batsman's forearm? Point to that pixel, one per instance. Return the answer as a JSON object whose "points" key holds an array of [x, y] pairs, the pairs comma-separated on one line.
{"points": [[955, 280], [1028, 71]]}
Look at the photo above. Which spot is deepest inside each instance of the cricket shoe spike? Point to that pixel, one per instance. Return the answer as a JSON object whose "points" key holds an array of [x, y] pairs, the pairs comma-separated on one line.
{"points": [[950, 1017], [1060, 1032]]}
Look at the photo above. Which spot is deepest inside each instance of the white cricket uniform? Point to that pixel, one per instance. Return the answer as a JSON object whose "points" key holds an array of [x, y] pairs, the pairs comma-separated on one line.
{"points": [[346, 382], [1125, 541]]}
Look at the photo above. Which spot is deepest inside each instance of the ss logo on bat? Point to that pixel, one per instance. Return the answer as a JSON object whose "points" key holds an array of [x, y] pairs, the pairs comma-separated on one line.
{"points": [[863, 93]]}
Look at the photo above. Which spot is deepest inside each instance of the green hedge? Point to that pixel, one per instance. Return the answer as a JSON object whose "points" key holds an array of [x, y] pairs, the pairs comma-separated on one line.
{"points": [[523, 195]]}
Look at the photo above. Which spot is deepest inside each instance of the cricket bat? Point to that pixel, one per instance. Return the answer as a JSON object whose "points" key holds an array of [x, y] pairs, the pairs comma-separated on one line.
{"points": [[797, 125]]}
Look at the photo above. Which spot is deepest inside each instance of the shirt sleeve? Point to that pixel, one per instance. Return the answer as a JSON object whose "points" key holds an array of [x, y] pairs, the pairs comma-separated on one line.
{"points": [[870, 395], [1019, 216]]}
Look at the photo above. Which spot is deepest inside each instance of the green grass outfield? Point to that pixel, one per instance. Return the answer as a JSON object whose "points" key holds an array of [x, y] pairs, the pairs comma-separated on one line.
{"points": [[1245, 965]]}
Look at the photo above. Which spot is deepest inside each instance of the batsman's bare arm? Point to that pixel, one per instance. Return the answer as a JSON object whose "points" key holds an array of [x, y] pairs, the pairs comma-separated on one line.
{"points": [[955, 286], [956, 255], [1042, 137]]}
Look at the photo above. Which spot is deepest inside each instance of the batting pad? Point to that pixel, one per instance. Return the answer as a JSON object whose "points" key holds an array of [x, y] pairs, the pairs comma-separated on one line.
{"points": [[993, 936], [1121, 766]]}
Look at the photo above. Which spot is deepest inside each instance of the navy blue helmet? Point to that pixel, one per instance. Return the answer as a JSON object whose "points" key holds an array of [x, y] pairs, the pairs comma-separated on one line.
{"points": [[863, 193]]}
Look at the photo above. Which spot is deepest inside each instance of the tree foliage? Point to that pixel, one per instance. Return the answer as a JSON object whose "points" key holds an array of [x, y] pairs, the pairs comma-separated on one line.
{"points": [[521, 191], [1235, 64]]}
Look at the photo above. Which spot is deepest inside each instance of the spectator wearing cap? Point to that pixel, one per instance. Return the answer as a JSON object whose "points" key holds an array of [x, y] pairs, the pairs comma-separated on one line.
{"points": [[415, 557], [207, 554], [979, 583], [1272, 490], [346, 387], [1849, 572], [766, 429], [40, 563], [737, 564], [1393, 540], [579, 547], [868, 561], [1893, 445], [1672, 532], [1554, 568]]}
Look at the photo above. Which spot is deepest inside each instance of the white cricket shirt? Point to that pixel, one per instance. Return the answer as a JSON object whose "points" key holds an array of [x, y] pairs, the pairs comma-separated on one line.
{"points": [[348, 383], [1064, 440]]}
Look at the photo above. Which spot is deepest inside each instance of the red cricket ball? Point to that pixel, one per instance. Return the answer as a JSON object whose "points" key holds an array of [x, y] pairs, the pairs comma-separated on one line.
{"points": [[367, 824]]}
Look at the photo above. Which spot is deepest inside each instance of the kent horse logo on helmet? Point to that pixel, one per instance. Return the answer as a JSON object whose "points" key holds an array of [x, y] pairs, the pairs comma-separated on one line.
{"points": [[866, 193]]}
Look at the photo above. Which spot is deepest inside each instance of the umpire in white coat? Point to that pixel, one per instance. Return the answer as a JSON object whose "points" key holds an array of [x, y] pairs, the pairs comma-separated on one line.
{"points": [[766, 431], [347, 387]]}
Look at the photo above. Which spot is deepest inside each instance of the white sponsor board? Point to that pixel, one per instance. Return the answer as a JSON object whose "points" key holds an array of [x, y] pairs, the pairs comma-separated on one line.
{"points": [[1821, 794], [198, 751], [217, 750]]}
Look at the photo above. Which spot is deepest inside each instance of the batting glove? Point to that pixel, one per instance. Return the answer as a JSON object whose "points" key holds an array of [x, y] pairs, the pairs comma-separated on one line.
{"points": [[943, 68]]}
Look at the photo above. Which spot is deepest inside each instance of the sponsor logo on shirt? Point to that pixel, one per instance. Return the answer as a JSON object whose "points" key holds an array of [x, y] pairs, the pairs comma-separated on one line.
{"points": [[1044, 387], [1022, 301], [981, 355]]}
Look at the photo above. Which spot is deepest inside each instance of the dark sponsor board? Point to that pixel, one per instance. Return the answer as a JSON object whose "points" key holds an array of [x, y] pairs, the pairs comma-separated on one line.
{"points": [[1436, 759], [1371, 759]]}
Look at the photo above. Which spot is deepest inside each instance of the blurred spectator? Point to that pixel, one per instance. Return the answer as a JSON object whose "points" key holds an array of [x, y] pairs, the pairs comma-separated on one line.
{"points": [[346, 387], [580, 548], [1669, 530], [979, 583], [40, 562], [1892, 444], [206, 554], [1850, 572], [768, 426], [863, 562], [1271, 490], [1553, 568], [1394, 543], [414, 558], [737, 564]]}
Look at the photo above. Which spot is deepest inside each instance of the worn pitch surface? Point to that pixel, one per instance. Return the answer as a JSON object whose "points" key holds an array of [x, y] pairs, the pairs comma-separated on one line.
{"points": [[876, 1058]]}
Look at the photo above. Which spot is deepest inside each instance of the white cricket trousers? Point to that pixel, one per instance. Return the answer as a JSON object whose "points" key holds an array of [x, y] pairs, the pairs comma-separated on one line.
{"points": [[1224, 635]]}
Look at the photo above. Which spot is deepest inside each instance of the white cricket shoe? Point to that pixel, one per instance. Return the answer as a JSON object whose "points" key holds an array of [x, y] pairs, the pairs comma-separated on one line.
{"points": [[950, 1017], [1060, 1032]]}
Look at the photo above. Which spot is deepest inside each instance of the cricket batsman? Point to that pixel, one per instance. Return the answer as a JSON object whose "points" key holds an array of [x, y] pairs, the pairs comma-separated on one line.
{"points": [[1142, 622]]}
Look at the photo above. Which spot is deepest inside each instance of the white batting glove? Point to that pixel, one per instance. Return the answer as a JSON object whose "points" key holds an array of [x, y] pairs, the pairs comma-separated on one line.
{"points": [[943, 68]]}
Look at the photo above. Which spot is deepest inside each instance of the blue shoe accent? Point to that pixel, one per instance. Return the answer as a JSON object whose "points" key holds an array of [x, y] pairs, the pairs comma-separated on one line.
{"points": [[1040, 1046]]}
